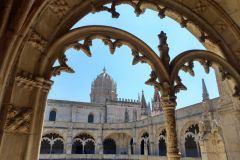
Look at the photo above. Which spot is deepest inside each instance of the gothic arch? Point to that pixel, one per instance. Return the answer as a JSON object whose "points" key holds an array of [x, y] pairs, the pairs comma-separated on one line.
{"points": [[182, 134], [111, 134], [26, 35], [162, 143], [60, 133], [83, 143], [52, 143], [139, 135], [109, 146], [75, 134], [158, 131]]}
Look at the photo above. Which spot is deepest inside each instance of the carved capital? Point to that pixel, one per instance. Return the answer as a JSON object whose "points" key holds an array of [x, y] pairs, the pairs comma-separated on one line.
{"points": [[18, 119], [29, 81]]}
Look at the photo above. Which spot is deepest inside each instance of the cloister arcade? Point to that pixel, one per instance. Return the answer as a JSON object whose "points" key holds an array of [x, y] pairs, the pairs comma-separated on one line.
{"points": [[34, 34]]}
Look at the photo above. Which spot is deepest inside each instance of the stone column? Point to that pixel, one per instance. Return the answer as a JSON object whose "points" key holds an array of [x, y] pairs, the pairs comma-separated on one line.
{"points": [[169, 104], [145, 148], [69, 139], [135, 152], [99, 141], [151, 148], [23, 120]]}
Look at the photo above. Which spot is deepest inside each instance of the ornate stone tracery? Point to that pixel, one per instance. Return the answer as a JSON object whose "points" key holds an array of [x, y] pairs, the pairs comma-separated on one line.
{"points": [[62, 59], [165, 75], [29, 13]]}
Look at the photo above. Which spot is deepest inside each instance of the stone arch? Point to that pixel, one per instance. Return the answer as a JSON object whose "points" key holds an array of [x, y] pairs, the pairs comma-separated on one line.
{"points": [[83, 143], [109, 146], [59, 132], [145, 144], [182, 134], [198, 19], [52, 143], [162, 143], [21, 35], [127, 133], [91, 133], [158, 132], [122, 140]]}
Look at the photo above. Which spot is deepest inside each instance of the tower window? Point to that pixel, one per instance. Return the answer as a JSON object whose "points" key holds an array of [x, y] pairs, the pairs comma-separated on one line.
{"points": [[90, 118], [52, 115]]}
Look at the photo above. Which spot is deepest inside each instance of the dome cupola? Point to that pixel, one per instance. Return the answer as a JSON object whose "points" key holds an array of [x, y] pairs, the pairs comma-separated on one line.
{"points": [[103, 88]]}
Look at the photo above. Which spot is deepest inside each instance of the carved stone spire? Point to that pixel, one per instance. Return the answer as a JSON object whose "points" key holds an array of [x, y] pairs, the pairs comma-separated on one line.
{"points": [[156, 96], [156, 105], [205, 94], [164, 49], [143, 101]]}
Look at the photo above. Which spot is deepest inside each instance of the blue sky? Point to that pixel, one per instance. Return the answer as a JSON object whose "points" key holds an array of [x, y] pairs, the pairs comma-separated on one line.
{"points": [[130, 79]]}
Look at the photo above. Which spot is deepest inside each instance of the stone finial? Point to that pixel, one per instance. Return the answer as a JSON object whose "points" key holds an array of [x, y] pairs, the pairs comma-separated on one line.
{"points": [[205, 94], [143, 101], [156, 96], [104, 69]]}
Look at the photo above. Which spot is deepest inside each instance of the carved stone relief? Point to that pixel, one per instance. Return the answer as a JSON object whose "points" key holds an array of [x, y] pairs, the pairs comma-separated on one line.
{"points": [[60, 7], [29, 81], [37, 41], [18, 119]]}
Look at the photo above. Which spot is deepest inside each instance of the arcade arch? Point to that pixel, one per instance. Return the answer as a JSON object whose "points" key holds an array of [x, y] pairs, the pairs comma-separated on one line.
{"points": [[15, 72]]}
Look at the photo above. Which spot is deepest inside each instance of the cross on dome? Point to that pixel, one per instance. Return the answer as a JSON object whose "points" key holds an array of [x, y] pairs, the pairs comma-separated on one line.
{"points": [[104, 69]]}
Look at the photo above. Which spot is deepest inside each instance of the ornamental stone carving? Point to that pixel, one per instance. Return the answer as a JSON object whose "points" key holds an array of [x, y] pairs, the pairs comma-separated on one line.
{"points": [[18, 119], [37, 41], [29, 81], [201, 6], [60, 7]]}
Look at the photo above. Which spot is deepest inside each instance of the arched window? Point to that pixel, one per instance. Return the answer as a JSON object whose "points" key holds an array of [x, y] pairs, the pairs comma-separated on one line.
{"points": [[45, 147], [109, 146], [89, 147], [77, 147], [90, 118], [192, 148], [83, 144], [145, 142], [52, 143], [162, 148], [57, 147], [52, 115]]}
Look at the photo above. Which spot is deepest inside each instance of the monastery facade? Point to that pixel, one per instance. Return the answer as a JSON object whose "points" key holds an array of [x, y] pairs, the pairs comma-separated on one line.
{"points": [[113, 128]]}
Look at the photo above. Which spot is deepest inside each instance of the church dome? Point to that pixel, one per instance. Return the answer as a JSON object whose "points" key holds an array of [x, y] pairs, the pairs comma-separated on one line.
{"points": [[103, 88]]}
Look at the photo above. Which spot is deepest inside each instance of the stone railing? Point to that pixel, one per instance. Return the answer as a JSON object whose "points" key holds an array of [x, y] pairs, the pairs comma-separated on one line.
{"points": [[104, 156]]}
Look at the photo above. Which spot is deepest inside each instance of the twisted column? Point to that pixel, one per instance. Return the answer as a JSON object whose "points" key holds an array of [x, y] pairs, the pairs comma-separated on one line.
{"points": [[169, 104]]}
